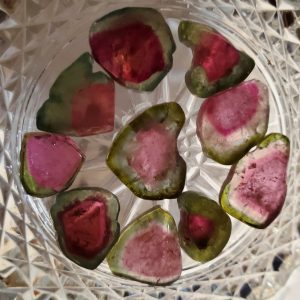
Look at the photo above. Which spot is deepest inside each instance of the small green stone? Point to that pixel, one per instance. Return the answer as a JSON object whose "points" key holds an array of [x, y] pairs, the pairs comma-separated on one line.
{"points": [[204, 228], [134, 45]]}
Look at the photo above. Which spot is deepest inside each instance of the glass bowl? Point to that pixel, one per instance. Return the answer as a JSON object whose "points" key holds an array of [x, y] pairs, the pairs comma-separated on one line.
{"points": [[37, 41]]}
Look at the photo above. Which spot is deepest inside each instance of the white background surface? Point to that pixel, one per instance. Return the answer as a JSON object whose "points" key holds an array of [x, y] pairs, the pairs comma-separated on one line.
{"points": [[291, 291]]}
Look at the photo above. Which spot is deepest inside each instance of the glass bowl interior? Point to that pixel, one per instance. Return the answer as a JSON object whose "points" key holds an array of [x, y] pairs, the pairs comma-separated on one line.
{"points": [[63, 42]]}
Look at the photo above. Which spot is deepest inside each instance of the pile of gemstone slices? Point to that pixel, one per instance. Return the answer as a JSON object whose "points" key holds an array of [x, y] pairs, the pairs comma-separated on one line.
{"points": [[135, 46]]}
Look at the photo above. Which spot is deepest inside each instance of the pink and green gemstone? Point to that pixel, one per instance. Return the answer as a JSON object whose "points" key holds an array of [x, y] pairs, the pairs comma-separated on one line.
{"points": [[49, 163], [231, 122], [81, 103], [148, 249], [216, 64], [86, 223], [204, 228], [144, 154], [134, 45], [255, 189]]}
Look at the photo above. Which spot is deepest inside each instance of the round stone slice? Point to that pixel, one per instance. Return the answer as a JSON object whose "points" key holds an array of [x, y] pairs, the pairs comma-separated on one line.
{"points": [[233, 121]]}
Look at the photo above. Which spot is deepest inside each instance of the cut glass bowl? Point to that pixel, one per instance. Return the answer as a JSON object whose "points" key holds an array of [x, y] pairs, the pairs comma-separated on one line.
{"points": [[37, 41]]}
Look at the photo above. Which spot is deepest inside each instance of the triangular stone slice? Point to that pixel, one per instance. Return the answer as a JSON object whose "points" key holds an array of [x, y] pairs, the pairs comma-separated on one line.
{"points": [[148, 249]]}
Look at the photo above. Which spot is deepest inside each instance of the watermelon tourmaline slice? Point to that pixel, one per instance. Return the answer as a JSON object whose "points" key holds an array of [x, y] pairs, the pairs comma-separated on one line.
{"points": [[49, 163], [85, 220], [204, 228], [144, 154], [148, 249], [255, 189], [233, 121], [80, 103], [134, 45], [216, 64]]}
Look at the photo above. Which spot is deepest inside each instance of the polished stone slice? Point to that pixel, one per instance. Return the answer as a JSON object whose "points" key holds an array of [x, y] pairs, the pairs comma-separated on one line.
{"points": [[233, 121], [144, 154], [204, 228], [81, 103], [217, 64], [255, 189], [49, 163], [134, 45], [148, 249], [86, 223]]}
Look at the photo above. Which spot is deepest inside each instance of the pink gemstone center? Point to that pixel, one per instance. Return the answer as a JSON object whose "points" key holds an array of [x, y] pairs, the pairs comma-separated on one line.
{"points": [[216, 55], [85, 227], [263, 185], [52, 160], [197, 228], [153, 252], [155, 153], [232, 109], [93, 109], [130, 53]]}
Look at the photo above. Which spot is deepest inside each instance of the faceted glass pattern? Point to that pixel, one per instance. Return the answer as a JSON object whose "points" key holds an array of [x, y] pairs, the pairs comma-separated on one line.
{"points": [[37, 41]]}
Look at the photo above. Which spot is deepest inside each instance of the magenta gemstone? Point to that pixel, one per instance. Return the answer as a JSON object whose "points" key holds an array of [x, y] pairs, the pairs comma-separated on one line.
{"points": [[52, 160], [129, 53], [216, 55], [85, 227]]}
